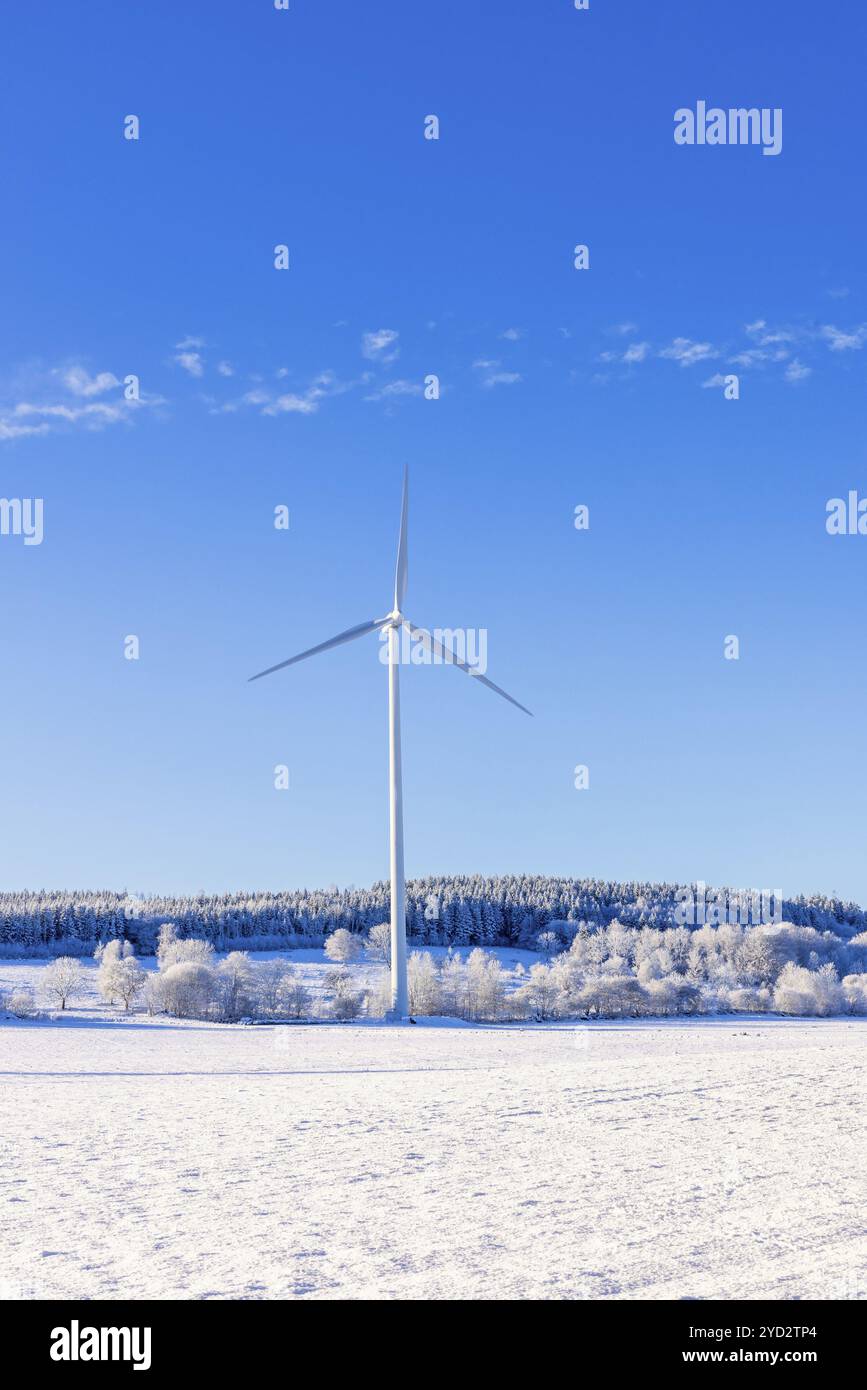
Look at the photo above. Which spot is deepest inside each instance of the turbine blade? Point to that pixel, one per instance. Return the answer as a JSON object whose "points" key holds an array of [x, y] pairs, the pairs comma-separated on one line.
{"points": [[402, 568], [433, 644], [348, 636]]}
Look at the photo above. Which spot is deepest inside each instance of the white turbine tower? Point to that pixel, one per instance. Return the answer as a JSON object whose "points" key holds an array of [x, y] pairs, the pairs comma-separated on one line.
{"points": [[393, 622]]}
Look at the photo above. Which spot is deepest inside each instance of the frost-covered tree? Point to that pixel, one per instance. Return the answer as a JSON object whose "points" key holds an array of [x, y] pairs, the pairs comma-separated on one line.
{"points": [[189, 950], [167, 936], [185, 990], [855, 993], [347, 1002], [425, 985], [808, 992], [62, 979], [613, 996], [121, 977], [268, 976], [549, 943], [343, 946], [292, 997], [750, 1000], [20, 1003], [378, 943], [108, 977], [236, 986], [541, 996], [484, 986]]}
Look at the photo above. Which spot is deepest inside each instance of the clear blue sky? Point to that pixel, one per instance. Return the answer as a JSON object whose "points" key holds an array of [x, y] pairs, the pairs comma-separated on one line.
{"points": [[260, 127]]}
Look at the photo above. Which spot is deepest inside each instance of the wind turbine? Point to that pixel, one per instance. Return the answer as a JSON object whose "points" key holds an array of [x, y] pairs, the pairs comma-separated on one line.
{"points": [[393, 622]]}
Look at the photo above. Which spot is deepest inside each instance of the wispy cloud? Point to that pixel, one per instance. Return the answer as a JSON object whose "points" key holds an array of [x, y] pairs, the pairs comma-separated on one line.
{"points": [[9, 429], [77, 380], [63, 397], [225, 368], [191, 362], [188, 356], [298, 402], [512, 334], [293, 404], [380, 345], [635, 352], [796, 371], [686, 353], [765, 336], [749, 357], [492, 375], [842, 340], [395, 388]]}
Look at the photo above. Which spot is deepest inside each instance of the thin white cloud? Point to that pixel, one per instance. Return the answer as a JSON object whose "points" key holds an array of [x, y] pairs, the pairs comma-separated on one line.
{"points": [[636, 352], [796, 371], [395, 388], [96, 412], [840, 340], [302, 402], [623, 328], [767, 337], [306, 402], [292, 404], [77, 380], [716, 380], [225, 368], [191, 362], [9, 430], [492, 375], [750, 357], [512, 334], [30, 417], [381, 345], [41, 411], [686, 353]]}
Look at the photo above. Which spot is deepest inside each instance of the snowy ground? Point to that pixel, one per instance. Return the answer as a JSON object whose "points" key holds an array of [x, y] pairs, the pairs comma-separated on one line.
{"points": [[156, 1159]]}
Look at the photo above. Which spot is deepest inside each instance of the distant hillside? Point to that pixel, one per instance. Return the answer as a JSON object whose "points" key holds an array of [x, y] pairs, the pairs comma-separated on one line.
{"points": [[461, 910]]}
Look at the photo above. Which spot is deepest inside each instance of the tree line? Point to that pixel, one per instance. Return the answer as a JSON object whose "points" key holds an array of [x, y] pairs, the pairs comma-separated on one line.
{"points": [[458, 910]]}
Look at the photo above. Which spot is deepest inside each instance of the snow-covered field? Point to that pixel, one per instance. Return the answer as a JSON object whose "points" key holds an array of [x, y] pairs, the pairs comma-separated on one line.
{"points": [[159, 1159]]}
